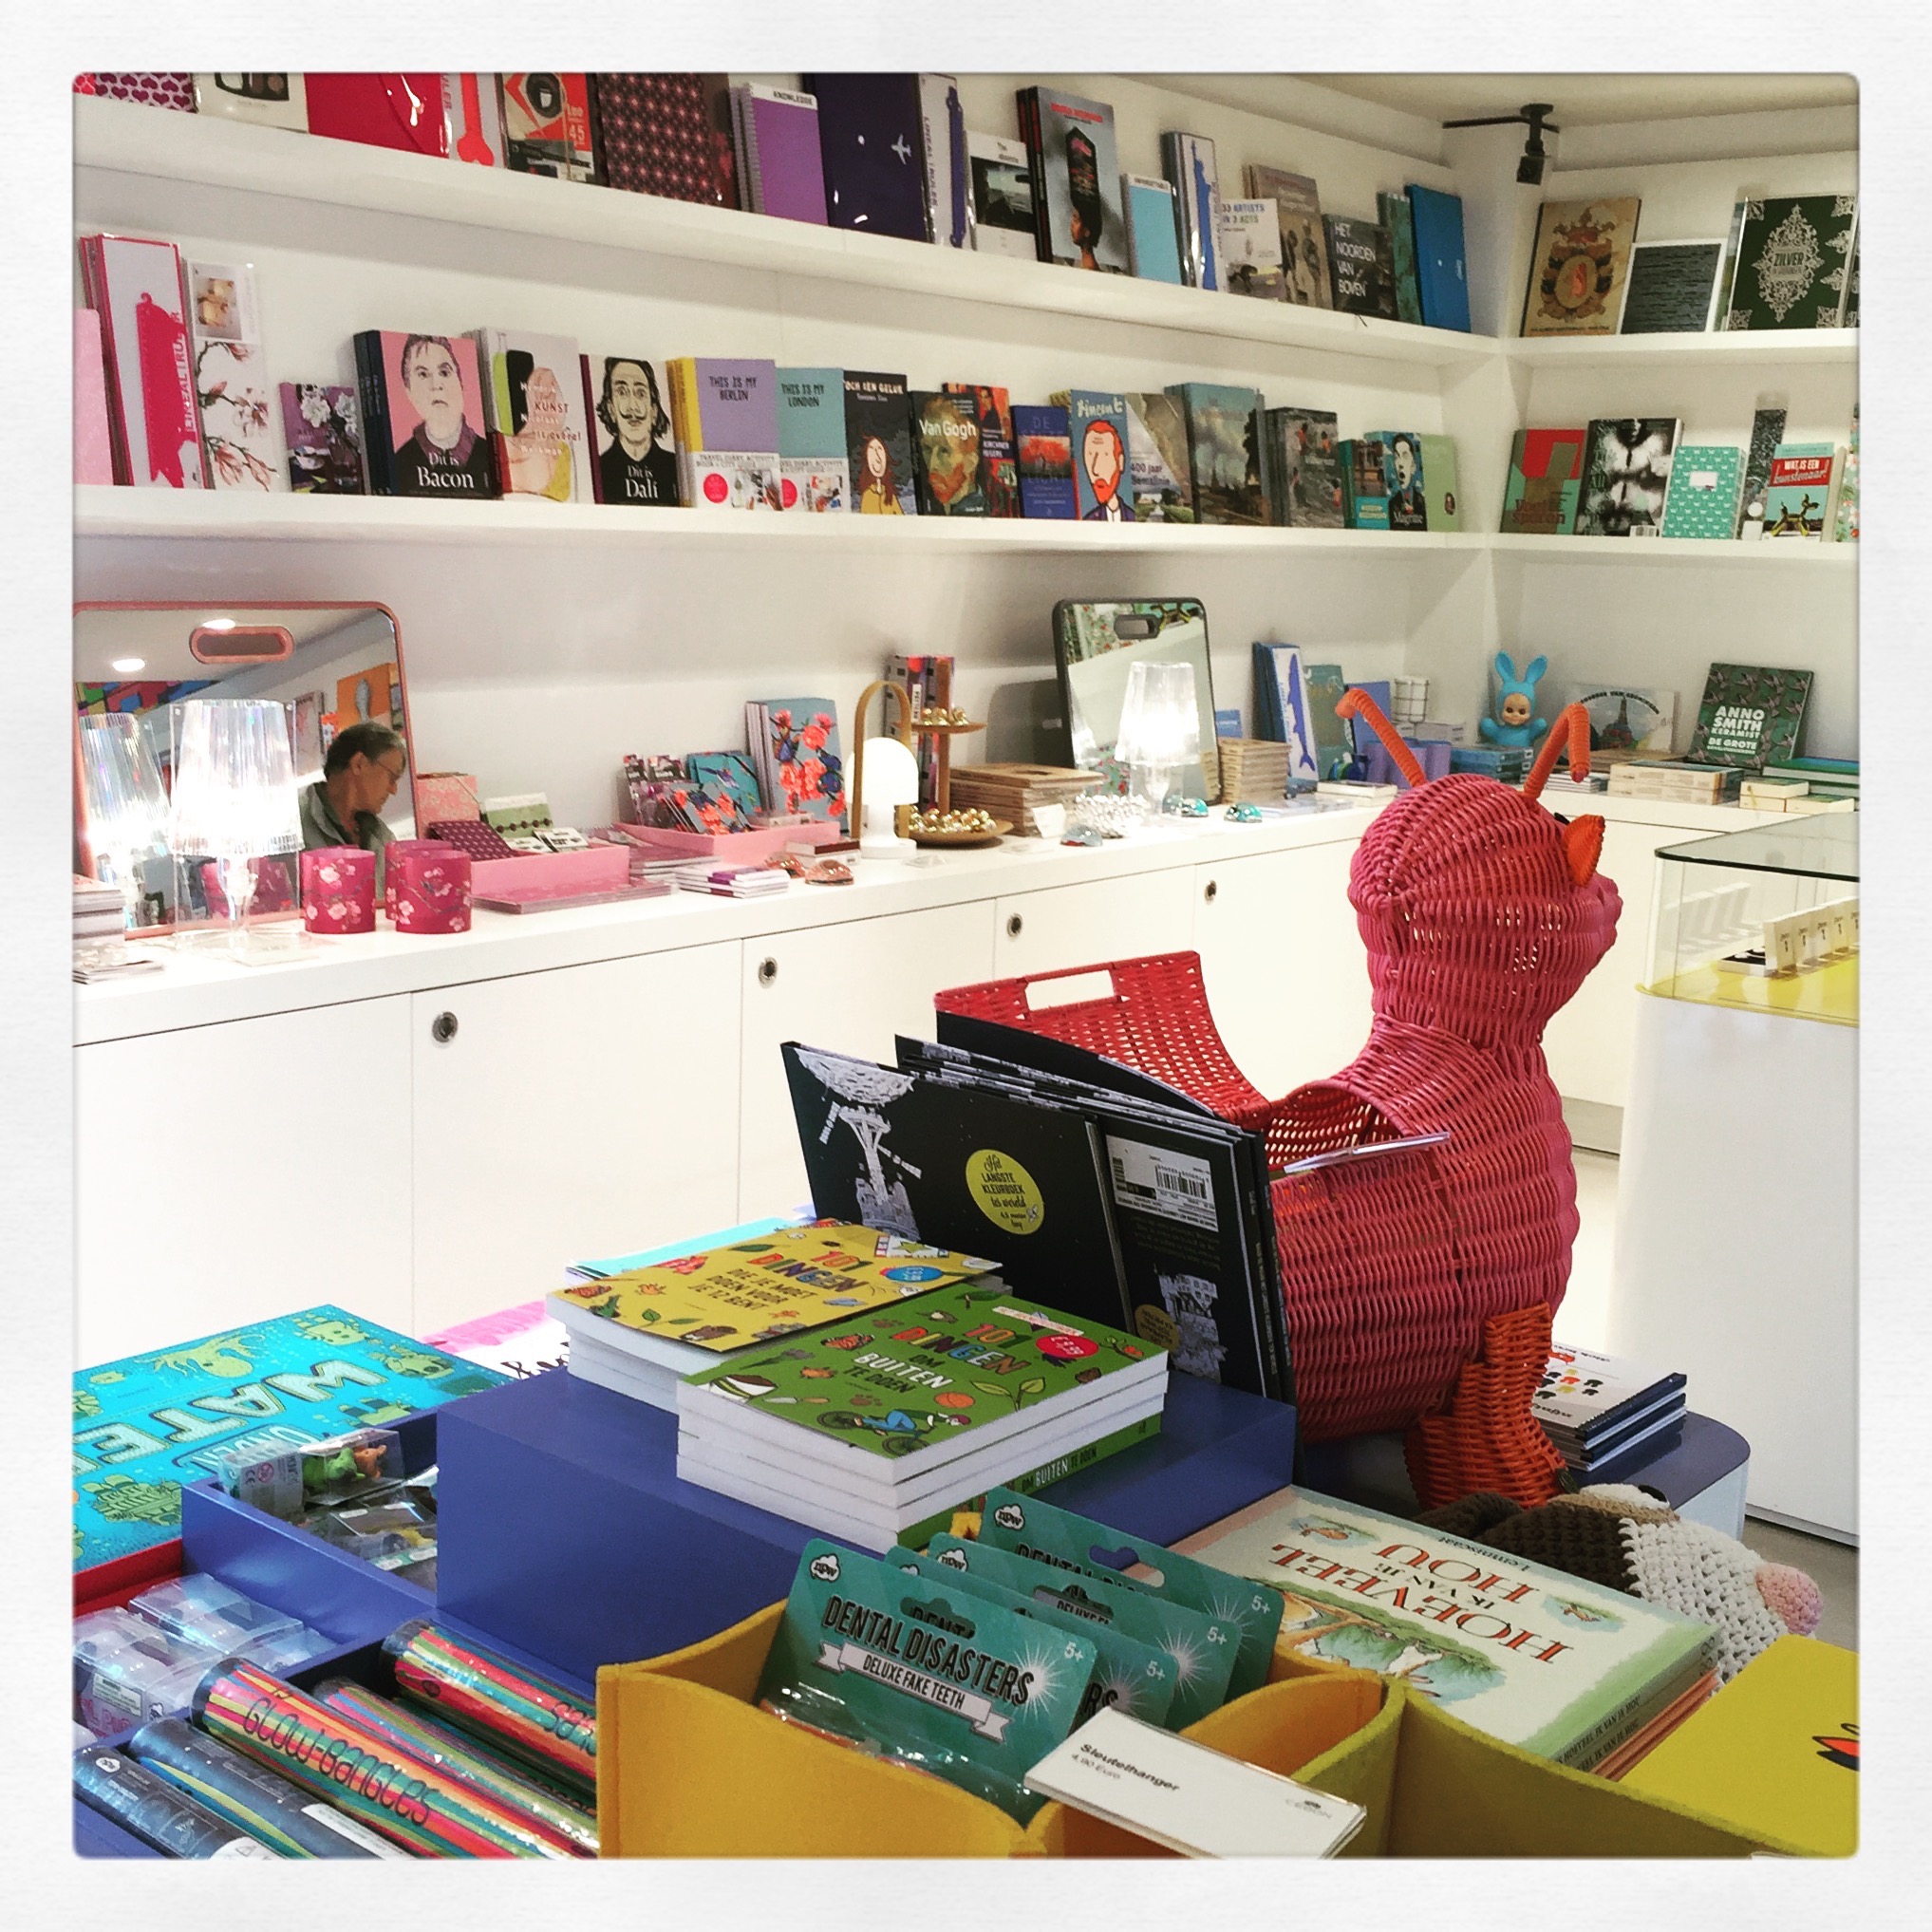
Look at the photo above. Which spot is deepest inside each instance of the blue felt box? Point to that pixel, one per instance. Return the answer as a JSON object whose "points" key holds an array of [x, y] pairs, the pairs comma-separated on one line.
{"points": [[563, 1527]]}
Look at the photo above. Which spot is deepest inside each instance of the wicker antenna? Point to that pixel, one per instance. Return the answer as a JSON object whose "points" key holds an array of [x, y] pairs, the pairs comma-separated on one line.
{"points": [[1578, 721], [1359, 704]]}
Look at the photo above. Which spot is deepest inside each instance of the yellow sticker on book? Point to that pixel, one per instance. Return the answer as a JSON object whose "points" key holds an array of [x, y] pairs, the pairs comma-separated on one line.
{"points": [[1005, 1193]]}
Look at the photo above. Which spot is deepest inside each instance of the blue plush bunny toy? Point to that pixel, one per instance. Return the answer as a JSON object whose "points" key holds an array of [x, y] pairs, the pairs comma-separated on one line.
{"points": [[1516, 703]]}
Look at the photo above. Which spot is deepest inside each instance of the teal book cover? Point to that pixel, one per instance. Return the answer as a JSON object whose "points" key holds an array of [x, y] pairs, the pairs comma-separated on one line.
{"points": [[1153, 236], [1704, 482], [145, 1425], [812, 413]]}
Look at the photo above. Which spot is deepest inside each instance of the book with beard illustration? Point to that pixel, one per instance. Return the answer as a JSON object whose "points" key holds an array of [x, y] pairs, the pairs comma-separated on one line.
{"points": [[1627, 475], [627, 402], [983, 1172]]}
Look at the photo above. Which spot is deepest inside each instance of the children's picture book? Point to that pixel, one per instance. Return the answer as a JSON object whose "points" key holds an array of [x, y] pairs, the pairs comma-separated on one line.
{"points": [[1078, 220], [1157, 458], [1223, 451], [1439, 482], [872, 144], [879, 444], [795, 747], [534, 404], [1305, 242], [1365, 484], [1250, 244], [517, 1342], [324, 438], [1750, 716], [1584, 1394], [1046, 460], [1579, 269], [1793, 262], [547, 125], [1627, 721], [1153, 240], [1560, 1667], [1545, 481], [423, 415], [1187, 162], [232, 390], [1306, 459], [663, 134], [946, 456], [1627, 475], [813, 472], [999, 464], [1800, 498], [1360, 266], [1702, 498], [1673, 288], [147, 1424], [626, 402], [135, 286], [1097, 433], [1002, 181]]}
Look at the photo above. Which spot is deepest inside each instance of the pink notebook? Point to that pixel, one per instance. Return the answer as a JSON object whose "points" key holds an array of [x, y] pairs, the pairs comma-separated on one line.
{"points": [[93, 445]]}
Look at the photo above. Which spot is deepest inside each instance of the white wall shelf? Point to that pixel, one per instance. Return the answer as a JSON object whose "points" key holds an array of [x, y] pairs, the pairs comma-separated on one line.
{"points": [[1681, 553], [1718, 349]]}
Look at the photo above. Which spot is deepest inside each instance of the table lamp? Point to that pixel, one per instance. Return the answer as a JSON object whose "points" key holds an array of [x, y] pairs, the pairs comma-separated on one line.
{"points": [[891, 780], [126, 808], [1160, 729], [235, 792]]}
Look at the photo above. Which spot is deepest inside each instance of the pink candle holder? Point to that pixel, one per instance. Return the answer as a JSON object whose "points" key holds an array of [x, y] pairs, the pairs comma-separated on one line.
{"points": [[391, 854], [432, 887], [339, 889]]}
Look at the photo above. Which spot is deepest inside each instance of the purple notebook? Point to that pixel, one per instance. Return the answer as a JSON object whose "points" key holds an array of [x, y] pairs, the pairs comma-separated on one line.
{"points": [[781, 153]]}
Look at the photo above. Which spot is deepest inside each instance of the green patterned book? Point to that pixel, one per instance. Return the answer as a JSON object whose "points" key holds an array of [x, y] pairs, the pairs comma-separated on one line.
{"points": [[1400, 222], [1793, 262], [1702, 500]]}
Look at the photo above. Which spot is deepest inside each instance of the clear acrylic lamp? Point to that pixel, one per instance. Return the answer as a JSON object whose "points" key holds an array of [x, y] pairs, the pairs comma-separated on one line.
{"points": [[1160, 728], [235, 792], [127, 809]]}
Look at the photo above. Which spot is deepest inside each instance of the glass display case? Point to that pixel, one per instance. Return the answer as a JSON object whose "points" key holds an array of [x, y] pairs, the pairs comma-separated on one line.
{"points": [[1765, 920]]}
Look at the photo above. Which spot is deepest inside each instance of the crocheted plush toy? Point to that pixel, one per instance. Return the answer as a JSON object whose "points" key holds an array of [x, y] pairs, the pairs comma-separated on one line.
{"points": [[1624, 1537]]}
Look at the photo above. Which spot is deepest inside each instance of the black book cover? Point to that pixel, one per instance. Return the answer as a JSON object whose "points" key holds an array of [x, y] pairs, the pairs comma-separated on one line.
{"points": [[947, 461], [1362, 266], [983, 1171], [375, 412], [878, 440], [871, 142]]}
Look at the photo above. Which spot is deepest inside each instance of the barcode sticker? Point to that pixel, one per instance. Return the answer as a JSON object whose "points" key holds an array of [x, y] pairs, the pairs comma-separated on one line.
{"points": [[1177, 1187]]}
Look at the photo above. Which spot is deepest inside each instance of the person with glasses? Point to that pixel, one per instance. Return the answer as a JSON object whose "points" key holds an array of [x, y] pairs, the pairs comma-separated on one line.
{"points": [[364, 765]]}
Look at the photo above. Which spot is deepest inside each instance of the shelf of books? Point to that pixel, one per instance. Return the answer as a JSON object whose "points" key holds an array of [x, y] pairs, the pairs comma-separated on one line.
{"points": [[1687, 349], [1691, 551], [131, 165]]}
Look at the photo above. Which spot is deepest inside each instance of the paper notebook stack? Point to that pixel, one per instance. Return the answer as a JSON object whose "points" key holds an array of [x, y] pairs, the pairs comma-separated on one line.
{"points": [[638, 1330], [1013, 792], [869, 1429], [100, 950], [1254, 771], [1603, 1415]]}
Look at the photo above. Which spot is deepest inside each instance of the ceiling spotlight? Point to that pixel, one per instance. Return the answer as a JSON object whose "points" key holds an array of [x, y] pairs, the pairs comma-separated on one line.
{"points": [[1534, 116], [126, 667]]}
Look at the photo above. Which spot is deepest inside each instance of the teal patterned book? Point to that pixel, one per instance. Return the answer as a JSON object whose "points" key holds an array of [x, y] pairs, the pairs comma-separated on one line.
{"points": [[1704, 482], [145, 1425]]}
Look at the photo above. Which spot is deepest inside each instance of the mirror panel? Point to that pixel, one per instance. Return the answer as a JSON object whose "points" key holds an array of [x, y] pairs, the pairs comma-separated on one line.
{"points": [[1095, 645]]}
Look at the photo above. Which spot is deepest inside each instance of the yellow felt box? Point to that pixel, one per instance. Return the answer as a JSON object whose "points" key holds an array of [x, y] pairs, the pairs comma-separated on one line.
{"points": [[690, 1767]]}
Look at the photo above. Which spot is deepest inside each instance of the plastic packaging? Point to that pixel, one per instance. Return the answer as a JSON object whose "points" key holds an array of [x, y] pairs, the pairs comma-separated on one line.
{"points": [[155, 1810], [128, 1670]]}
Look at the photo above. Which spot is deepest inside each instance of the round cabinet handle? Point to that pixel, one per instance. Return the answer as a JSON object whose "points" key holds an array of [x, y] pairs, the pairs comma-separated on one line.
{"points": [[767, 971], [1015, 926], [1209, 890], [442, 1028]]}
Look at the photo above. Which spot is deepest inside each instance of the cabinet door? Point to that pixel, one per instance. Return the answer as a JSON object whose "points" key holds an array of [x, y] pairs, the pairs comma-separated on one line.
{"points": [[590, 1110], [1094, 923], [850, 988], [1284, 963], [226, 1174]]}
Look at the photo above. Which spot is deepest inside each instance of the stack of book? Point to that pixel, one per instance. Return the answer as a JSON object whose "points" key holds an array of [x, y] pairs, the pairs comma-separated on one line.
{"points": [[638, 1330], [873, 1430], [1014, 792], [101, 949], [1507, 763], [1676, 780], [1830, 779], [730, 881], [1605, 1416], [1253, 770]]}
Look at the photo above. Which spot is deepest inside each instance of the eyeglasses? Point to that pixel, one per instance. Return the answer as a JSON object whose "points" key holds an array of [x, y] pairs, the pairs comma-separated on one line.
{"points": [[393, 773]]}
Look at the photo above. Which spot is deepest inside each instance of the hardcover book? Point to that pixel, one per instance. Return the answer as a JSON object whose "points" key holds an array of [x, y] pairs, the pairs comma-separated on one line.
{"points": [[779, 167], [1153, 241], [948, 186], [668, 135], [1750, 716], [626, 400], [1365, 484], [1673, 288], [725, 414], [1793, 262], [1626, 474], [1702, 500], [1306, 453], [1157, 458], [1223, 451], [872, 142], [1628, 721], [1002, 181], [1282, 710], [1097, 433], [400, 111], [795, 747], [1187, 162], [135, 287], [1400, 219], [1334, 742], [93, 441], [1360, 266], [812, 470], [145, 1425], [423, 414], [1766, 432], [267, 99], [1560, 1667], [547, 125], [473, 119], [1046, 460], [1077, 216], [1578, 272], [1250, 239], [1585, 1395], [1800, 491], [321, 428], [947, 459], [1404, 487], [1545, 481], [534, 404], [1442, 275], [1439, 482], [1305, 242], [231, 391], [999, 464], [879, 444]]}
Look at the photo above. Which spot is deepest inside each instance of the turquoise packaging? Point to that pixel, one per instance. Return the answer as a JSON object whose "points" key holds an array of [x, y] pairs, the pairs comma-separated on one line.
{"points": [[942, 1679], [1050, 1535]]}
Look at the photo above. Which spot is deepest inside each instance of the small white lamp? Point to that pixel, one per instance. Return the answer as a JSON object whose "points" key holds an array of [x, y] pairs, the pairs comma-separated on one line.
{"points": [[1160, 728], [891, 780], [127, 809], [235, 792]]}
